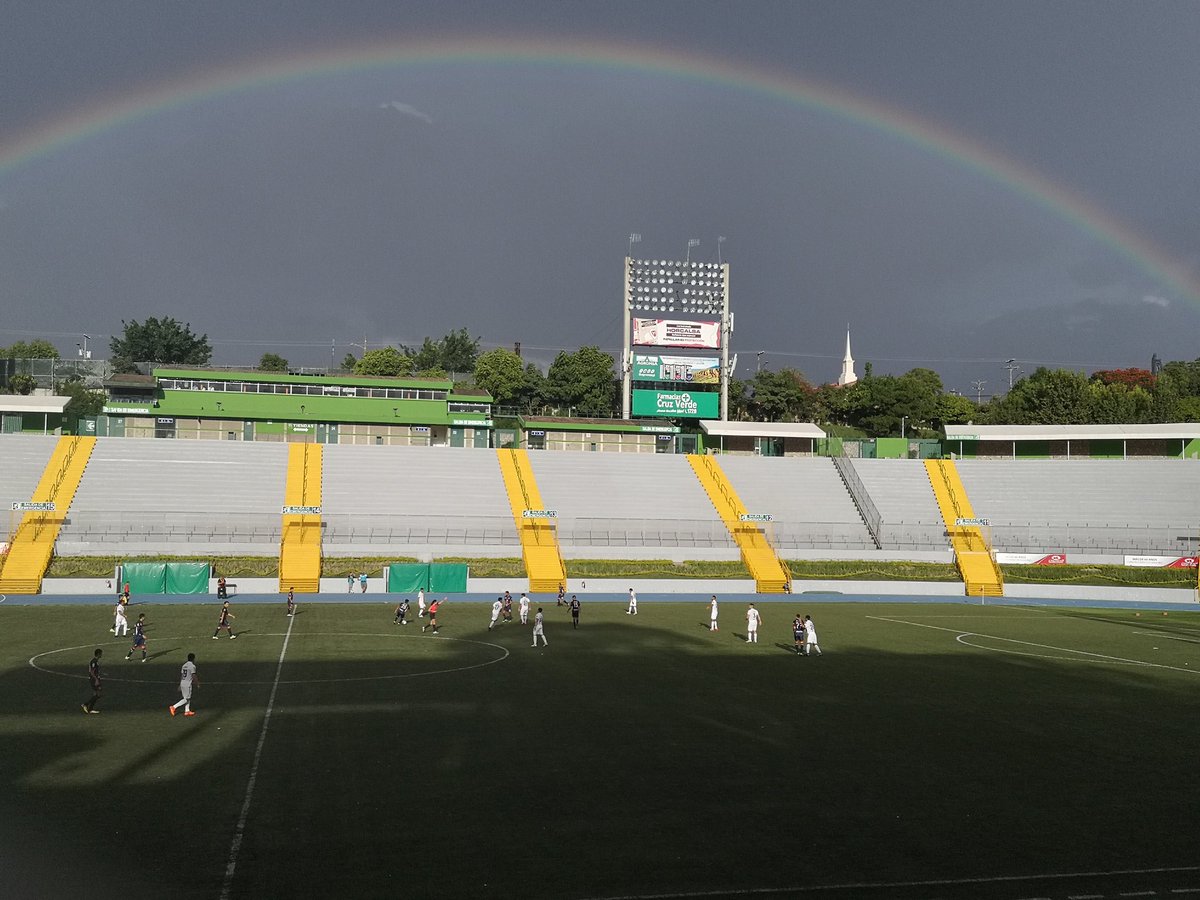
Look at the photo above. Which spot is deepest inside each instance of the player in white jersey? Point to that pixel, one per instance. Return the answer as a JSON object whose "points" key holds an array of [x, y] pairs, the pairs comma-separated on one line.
{"points": [[810, 637], [753, 620], [524, 610], [421, 603], [632, 610], [712, 614], [120, 625], [538, 629], [496, 607], [187, 679]]}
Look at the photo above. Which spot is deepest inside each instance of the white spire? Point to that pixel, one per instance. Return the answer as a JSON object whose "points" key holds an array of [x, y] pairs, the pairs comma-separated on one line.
{"points": [[847, 377]]}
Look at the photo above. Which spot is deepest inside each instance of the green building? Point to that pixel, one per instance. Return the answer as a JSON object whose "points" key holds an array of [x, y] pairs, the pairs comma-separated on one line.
{"points": [[211, 404]]}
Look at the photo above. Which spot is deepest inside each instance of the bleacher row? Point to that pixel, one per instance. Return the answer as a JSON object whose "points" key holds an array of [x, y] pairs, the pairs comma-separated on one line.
{"points": [[214, 497]]}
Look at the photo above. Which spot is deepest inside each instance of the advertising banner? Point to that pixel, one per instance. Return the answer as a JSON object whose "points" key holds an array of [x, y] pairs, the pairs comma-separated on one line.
{"points": [[1161, 562], [677, 404], [676, 333], [1032, 559], [677, 368]]}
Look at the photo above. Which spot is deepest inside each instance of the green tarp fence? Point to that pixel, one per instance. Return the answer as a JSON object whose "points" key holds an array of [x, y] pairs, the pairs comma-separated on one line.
{"points": [[438, 578], [166, 578]]}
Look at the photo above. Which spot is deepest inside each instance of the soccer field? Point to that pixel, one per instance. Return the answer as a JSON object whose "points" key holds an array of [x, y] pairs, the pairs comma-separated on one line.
{"points": [[934, 750]]}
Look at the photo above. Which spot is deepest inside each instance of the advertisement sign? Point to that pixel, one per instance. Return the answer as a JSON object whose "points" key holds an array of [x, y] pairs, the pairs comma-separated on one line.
{"points": [[1161, 562], [756, 517], [1032, 559], [972, 523], [46, 506], [677, 368], [687, 404], [302, 510], [676, 333], [539, 514]]}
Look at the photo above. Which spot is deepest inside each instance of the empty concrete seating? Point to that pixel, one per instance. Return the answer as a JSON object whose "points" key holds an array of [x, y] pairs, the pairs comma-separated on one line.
{"points": [[440, 500], [627, 500], [908, 511], [171, 496], [1114, 507], [23, 459], [809, 502]]}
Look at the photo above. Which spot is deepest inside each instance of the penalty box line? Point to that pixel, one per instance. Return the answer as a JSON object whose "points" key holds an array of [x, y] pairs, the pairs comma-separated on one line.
{"points": [[992, 637], [240, 830]]}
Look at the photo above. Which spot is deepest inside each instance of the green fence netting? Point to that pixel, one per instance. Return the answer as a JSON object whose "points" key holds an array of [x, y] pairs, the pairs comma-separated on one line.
{"points": [[439, 578], [448, 578], [166, 578]]}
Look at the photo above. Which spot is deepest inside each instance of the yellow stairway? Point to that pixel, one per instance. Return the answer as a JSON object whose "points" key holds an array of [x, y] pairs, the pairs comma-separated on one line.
{"points": [[539, 537], [32, 543], [972, 554], [300, 547], [769, 572]]}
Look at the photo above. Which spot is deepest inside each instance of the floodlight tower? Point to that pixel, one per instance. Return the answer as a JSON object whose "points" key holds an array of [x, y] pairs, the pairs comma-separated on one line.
{"points": [[680, 288]]}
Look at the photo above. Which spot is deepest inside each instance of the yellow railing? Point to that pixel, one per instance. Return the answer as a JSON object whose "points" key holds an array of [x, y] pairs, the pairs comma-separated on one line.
{"points": [[771, 575], [972, 551], [539, 537], [300, 544]]}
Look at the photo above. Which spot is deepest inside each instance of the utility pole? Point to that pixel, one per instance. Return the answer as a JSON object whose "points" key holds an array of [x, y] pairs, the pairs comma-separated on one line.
{"points": [[978, 385], [1012, 367], [758, 367]]}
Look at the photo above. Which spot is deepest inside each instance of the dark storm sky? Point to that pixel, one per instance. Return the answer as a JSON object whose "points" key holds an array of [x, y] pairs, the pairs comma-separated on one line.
{"points": [[409, 200]]}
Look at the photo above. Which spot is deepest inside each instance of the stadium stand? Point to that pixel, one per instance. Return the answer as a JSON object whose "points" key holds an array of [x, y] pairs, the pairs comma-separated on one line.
{"points": [[809, 502], [1096, 506], [909, 518], [163, 496], [25, 457], [627, 500], [415, 500]]}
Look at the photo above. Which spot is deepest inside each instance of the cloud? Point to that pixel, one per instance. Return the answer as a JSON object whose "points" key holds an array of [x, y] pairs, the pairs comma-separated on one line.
{"points": [[407, 110], [1156, 301]]}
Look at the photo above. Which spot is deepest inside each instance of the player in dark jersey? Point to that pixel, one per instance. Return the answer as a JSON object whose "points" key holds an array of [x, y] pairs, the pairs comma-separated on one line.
{"points": [[224, 621], [291, 604], [574, 604], [94, 678], [401, 613], [139, 637], [562, 592], [507, 605], [798, 633]]}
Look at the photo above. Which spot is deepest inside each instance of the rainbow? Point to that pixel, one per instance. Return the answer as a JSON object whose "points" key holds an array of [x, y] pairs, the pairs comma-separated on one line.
{"points": [[926, 135]]}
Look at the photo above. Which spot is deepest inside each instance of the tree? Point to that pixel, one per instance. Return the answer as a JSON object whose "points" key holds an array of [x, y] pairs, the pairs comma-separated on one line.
{"points": [[583, 380], [1128, 377], [533, 388], [387, 361], [38, 348], [456, 352], [1047, 397], [272, 362], [83, 401], [784, 396], [499, 373], [954, 409], [349, 361], [22, 384], [162, 341]]}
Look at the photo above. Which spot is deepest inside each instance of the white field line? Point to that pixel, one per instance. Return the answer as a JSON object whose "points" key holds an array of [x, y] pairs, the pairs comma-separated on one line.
{"points": [[1169, 637], [884, 885], [1098, 656], [240, 830]]}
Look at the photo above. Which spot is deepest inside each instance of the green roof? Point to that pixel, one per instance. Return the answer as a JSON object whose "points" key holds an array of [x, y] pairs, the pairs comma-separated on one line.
{"points": [[281, 378]]}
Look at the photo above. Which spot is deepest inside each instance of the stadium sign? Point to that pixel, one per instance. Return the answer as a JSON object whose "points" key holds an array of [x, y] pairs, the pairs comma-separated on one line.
{"points": [[972, 523], [676, 333], [690, 404], [677, 368], [756, 517], [485, 423], [1164, 562], [302, 510], [1032, 559], [47, 506], [539, 514]]}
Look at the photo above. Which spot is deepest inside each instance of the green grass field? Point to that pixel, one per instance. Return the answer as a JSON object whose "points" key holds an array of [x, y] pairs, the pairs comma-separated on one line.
{"points": [[935, 750]]}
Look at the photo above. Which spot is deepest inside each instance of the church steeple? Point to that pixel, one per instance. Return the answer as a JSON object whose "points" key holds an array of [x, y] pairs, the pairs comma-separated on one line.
{"points": [[847, 377]]}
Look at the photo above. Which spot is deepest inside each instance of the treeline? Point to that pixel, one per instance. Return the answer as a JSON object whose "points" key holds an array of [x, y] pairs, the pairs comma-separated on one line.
{"points": [[585, 382]]}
